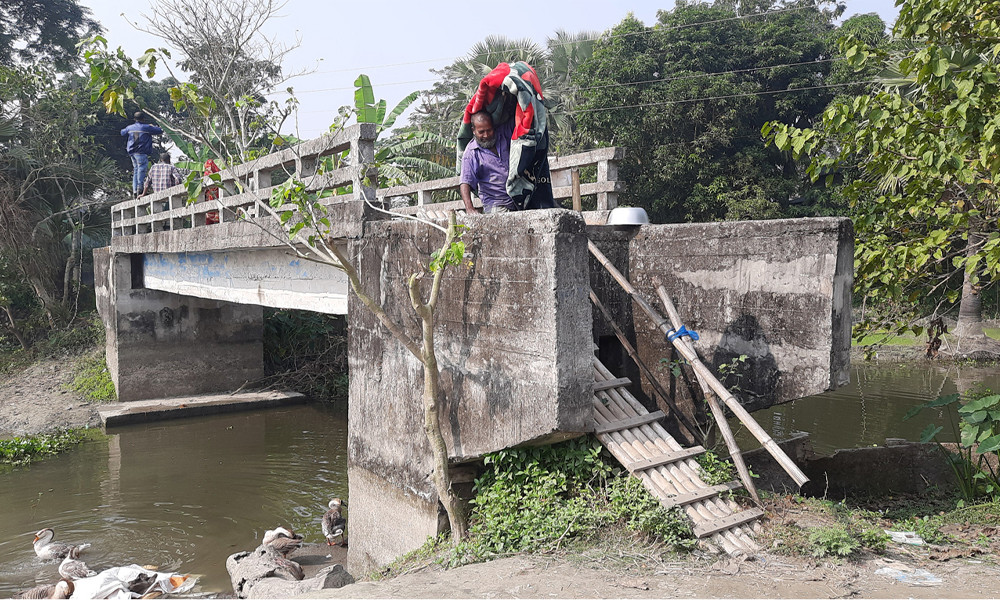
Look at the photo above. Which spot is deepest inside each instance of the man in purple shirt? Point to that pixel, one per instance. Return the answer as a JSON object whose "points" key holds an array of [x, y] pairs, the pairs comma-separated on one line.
{"points": [[485, 164]]}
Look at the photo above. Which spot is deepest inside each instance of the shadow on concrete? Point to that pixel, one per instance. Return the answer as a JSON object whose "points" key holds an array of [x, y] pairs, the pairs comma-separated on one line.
{"points": [[753, 380]]}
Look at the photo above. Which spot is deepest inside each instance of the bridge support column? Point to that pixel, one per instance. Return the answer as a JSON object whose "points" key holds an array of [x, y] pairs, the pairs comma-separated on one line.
{"points": [[514, 347], [161, 344]]}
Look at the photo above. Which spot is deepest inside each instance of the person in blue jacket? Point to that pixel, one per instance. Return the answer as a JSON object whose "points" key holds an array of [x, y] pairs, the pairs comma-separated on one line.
{"points": [[139, 146]]}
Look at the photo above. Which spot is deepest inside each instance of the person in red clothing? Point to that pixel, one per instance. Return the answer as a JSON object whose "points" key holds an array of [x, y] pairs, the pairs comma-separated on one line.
{"points": [[211, 193]]}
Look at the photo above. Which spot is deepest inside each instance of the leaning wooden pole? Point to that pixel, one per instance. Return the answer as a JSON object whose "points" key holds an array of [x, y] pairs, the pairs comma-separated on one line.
{"points": [[702, 371], [645, 370], [713, 402]]}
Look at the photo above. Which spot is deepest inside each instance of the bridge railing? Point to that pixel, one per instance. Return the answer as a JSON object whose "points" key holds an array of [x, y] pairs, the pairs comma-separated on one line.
{"points": [[606, 186], [244, 185]]}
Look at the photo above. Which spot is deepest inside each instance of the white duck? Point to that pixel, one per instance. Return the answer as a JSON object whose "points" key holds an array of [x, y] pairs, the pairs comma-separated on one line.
{"points": [[282, 539], [49, 550], [61, 589], [71, 568], [334, 523]]}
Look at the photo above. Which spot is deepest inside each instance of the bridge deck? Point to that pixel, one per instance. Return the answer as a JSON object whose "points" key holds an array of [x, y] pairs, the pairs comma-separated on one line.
{"points": [[633, 435]]}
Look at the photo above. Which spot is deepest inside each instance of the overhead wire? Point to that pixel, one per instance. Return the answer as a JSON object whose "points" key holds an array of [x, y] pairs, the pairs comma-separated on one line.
{"points": [[650, 30]]}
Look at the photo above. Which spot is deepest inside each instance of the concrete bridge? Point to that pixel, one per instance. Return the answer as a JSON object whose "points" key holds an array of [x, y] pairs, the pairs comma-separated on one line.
{"points": [[182, 305]]}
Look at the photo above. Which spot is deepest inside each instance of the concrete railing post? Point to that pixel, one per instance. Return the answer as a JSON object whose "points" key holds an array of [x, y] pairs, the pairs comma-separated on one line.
{"points": [[607, 170]]}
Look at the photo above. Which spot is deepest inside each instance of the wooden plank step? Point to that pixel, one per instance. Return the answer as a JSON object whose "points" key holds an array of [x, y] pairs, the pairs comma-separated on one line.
{"points": [[702, 494], [708, 528], [629, 423], [664, 459], [600, 386]]}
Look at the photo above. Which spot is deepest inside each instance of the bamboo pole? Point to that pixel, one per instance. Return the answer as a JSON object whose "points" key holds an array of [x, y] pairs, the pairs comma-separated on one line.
{"points": [[645, 370], [741, 413], [713, 402]]}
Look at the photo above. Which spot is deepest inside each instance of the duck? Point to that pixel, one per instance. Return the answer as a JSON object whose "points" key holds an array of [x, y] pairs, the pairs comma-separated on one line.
{"points": [[334, 523], [290, 568], [49, 550], [72, 568], [282, 539], [61, 589]]}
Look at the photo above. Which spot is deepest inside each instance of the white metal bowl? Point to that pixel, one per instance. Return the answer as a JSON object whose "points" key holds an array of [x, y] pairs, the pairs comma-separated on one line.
{"points": [[628, 215]]}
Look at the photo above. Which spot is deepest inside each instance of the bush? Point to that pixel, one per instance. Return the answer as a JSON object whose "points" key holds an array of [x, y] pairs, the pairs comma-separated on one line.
{"points": [[641, 511], [833, 540], [307, 352]]}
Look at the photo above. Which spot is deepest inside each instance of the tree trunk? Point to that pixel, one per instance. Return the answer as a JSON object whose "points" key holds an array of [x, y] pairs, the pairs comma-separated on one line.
{"points": [[13, 328], [74, 257], [48, 303], [970, 310], [432, 418]]}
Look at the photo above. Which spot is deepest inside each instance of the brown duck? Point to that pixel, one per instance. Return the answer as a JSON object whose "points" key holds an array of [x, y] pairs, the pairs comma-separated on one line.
{"points": [[334, 523]]}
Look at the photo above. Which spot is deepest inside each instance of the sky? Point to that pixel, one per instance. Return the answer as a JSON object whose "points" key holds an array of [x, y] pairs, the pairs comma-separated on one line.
{"points": [[396, 42]]}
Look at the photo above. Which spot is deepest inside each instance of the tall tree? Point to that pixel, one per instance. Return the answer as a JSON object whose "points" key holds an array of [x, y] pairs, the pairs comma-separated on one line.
{"points": [[566, 53], [36, 31], [688, 96], [231, 65], [926, 143], [51, 185]]}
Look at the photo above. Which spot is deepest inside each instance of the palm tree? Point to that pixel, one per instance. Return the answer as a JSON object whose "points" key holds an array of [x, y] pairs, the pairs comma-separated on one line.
{"points": [[442, 106], [566, 52]]}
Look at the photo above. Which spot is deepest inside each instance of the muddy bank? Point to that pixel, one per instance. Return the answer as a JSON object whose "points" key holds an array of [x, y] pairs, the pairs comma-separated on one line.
{"points": [[624, 576], [37, 400]]}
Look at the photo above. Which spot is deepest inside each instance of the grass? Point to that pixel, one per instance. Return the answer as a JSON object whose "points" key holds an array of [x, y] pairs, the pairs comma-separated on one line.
{"points": [[823, 528], [92, 378], [85, 333], [911, 339]]}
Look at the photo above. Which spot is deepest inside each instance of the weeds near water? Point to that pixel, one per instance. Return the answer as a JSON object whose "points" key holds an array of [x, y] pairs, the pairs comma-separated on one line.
{"points": [[22, 450], [306, 352], [974, 462], [93, 380]]}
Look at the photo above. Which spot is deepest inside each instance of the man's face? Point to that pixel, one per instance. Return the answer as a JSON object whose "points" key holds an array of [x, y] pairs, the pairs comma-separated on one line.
{"points": [[482, 129]]}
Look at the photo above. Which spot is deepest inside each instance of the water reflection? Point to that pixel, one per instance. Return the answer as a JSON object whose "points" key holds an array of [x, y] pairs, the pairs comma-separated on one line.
{"points": [[181, 495], [872, 406]]}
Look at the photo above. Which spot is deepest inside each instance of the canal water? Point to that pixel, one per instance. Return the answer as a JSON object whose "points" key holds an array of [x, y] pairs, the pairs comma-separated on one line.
{"points": [[181, 495], [871, 408]]}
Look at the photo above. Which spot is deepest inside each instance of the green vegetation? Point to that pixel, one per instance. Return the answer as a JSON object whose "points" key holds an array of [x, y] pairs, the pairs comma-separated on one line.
{"points": [[93, 380], [23, 450], [715, 470], [534, 499], [921, 154], [85, 333], [307, 352], [688, 94], [974, 460], [840, 531]]}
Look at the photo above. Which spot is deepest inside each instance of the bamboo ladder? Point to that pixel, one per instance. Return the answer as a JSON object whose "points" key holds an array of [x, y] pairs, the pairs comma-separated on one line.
{"points": [[669, 471]]}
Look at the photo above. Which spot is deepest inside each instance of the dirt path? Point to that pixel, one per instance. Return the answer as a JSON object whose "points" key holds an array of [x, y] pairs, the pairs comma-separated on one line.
{"points": [[768, 576], [36, 400]]}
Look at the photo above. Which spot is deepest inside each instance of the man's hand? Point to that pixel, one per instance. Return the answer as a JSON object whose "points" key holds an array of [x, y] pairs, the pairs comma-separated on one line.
{"points": [[465, 190]]}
